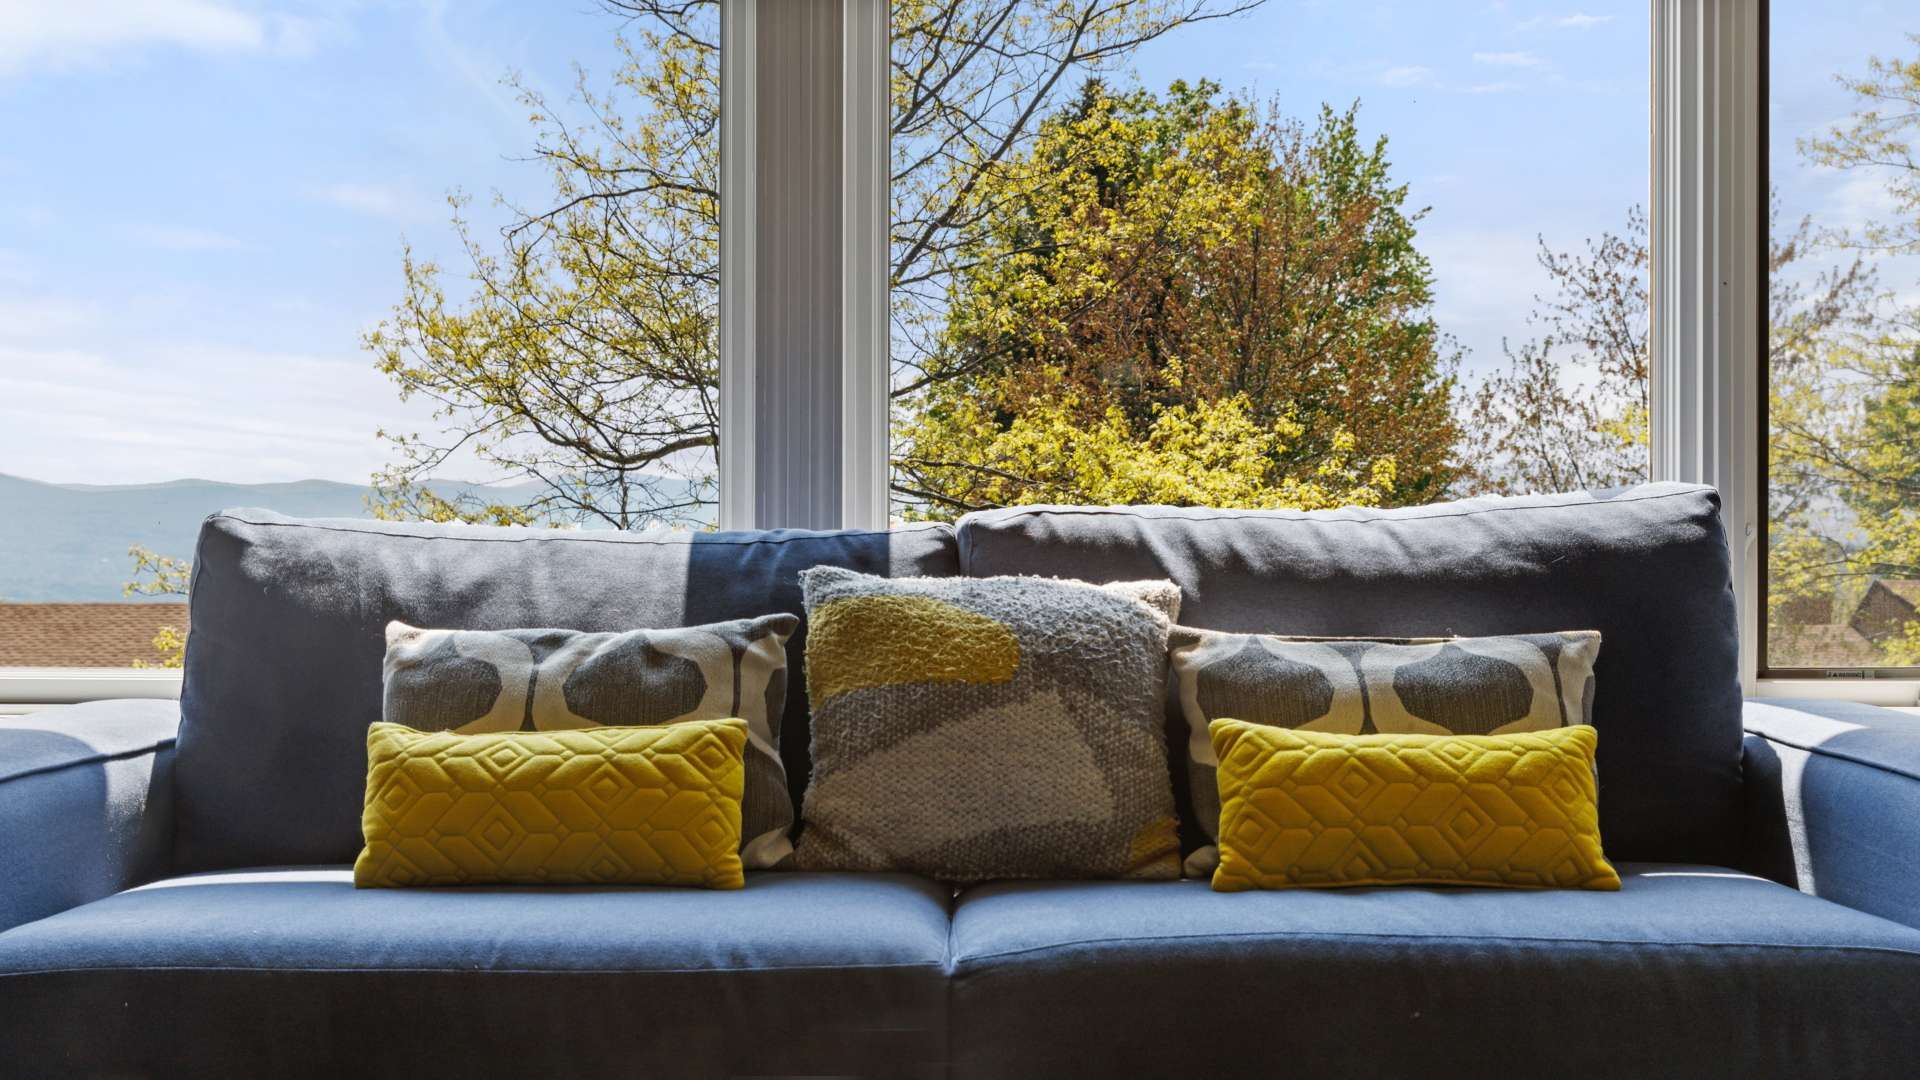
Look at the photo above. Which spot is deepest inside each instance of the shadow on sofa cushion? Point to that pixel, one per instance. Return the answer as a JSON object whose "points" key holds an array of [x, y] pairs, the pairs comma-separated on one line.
{"points": [[1691, 971], [289, 618], [292, 973]]}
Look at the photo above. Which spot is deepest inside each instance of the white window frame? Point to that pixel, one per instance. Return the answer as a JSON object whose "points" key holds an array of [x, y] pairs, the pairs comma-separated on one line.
{"points": [[841, 480], [1708, 241], [30, 689]]}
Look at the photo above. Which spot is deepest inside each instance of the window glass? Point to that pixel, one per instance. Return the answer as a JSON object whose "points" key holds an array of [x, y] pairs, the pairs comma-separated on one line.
{"points": [[1843, 453], [1303, 255], [206, 208]]}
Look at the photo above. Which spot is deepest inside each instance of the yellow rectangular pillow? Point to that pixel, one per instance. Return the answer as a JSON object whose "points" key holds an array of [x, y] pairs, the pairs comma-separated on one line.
{"points": [[1305, 808], [594, 806]]}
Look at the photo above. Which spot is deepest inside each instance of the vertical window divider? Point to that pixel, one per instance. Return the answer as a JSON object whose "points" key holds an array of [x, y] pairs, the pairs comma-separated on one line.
{"points": [[739, 300], [1708, 275], [865, 216]]}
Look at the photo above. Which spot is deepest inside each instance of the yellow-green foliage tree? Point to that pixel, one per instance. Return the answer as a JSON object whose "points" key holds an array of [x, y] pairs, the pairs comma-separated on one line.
{"points": [[583, 358], [1235, 302], [1844, 504], [581, 354], [160, 575]]}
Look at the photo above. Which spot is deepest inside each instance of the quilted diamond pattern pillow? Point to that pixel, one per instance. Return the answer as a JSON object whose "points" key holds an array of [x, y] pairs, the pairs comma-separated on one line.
{"points": [[474, 681], [1434, 686], [599, 806], [1303, 808], [967, 729]]}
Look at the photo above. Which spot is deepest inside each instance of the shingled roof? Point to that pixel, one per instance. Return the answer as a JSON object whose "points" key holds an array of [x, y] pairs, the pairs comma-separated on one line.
{"points": [[85, 635]]}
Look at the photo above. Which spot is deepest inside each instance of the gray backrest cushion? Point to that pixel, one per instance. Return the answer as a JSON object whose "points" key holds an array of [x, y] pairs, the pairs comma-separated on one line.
{"points": [[283, 665], [1647, 567]]}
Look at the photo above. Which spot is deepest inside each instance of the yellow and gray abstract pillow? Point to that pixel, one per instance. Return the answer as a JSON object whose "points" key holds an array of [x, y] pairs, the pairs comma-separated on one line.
{"points": [[1384, 686], [968, 729], [473, 681]]}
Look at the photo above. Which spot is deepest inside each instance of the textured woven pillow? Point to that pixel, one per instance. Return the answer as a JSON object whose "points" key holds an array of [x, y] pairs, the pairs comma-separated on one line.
{"points": [[599, 806], [1303, 808], [967, 729], [1393, 686], [473, 681]]}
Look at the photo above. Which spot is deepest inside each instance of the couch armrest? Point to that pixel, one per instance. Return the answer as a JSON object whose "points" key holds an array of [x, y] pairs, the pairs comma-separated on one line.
{"points": [[86, 794], [1833, 802]]}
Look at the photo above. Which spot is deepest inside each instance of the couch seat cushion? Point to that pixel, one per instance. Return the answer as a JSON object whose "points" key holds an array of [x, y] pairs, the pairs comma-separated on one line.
{"points": [[292, 972], [1689, 971]]}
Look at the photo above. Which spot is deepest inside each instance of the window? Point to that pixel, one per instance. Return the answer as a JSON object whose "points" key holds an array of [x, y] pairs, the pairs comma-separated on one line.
{"points": [[1279, 237], [206, 204], [1843, 342]]}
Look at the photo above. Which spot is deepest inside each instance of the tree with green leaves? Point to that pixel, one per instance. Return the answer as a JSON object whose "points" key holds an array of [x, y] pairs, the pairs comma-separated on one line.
{"points": [[581, 353], [160, 575], [1844, 359], [1183, 261]]}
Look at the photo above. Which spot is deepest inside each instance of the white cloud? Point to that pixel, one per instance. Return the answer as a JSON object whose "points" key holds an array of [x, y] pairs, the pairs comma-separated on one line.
{"points": [[1407, 76], [60, 35], [1485, 282], [32, 316], [1572, 22], [1488, 88], [176, 238], [121, 414], [397, 199], [1510, 59]]}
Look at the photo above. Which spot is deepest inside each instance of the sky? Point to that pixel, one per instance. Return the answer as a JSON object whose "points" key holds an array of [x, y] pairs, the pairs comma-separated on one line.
{"points": [[203, 203]]}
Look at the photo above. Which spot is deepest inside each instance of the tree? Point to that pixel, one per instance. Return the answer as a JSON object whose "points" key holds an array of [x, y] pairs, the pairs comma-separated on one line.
{"points": [[1844, 498], [585, 357], [160, 575], [1180, 261], [157, 575], [1878, 137], [1837, 427], [1531, 428]]}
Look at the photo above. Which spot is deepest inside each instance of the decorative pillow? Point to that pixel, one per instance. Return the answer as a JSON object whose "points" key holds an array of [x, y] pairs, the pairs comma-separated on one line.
{"points": [[598, 806], [473, 681], [1354, 686], [1302, 808], [1008, 727]]}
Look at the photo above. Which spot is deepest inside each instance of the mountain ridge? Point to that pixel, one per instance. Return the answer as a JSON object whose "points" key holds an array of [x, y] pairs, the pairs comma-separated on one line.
{"points": [[68, 542]]}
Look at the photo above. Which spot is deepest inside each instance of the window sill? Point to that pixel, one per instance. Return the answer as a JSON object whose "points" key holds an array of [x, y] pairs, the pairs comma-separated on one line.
{"points": [[25, 689], [1888, 693]]}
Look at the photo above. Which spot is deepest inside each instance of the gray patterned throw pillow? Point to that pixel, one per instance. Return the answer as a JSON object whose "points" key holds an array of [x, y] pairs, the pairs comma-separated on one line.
{"points": [[1390, 686], [474, 681], [969, 729]]}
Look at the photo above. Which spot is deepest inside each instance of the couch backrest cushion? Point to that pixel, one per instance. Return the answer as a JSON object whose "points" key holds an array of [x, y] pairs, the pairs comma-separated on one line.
{"points": [[1647, 567], [283, 665]]}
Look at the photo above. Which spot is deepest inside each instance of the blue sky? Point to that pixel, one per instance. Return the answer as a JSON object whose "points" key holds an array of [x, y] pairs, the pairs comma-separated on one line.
{"points": [[202, 202]]}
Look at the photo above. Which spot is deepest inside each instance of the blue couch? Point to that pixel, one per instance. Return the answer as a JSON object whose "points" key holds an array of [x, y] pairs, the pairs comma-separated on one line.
{"points": [[175, 899]]}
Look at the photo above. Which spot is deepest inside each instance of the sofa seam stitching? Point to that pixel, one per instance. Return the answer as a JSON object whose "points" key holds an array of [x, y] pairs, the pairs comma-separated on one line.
{"points": [[576, 539], [94, 760], [1477, 940], [933, 965], [1837, 755]]}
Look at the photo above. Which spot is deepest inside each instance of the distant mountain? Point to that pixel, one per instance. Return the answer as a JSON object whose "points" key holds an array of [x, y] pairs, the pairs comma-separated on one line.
{"points": [[68, 542]]}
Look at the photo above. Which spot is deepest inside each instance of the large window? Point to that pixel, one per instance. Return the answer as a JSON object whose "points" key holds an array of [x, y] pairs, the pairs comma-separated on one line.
{"points": [[204, 207], [1843, 346], [1304, 255]]}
